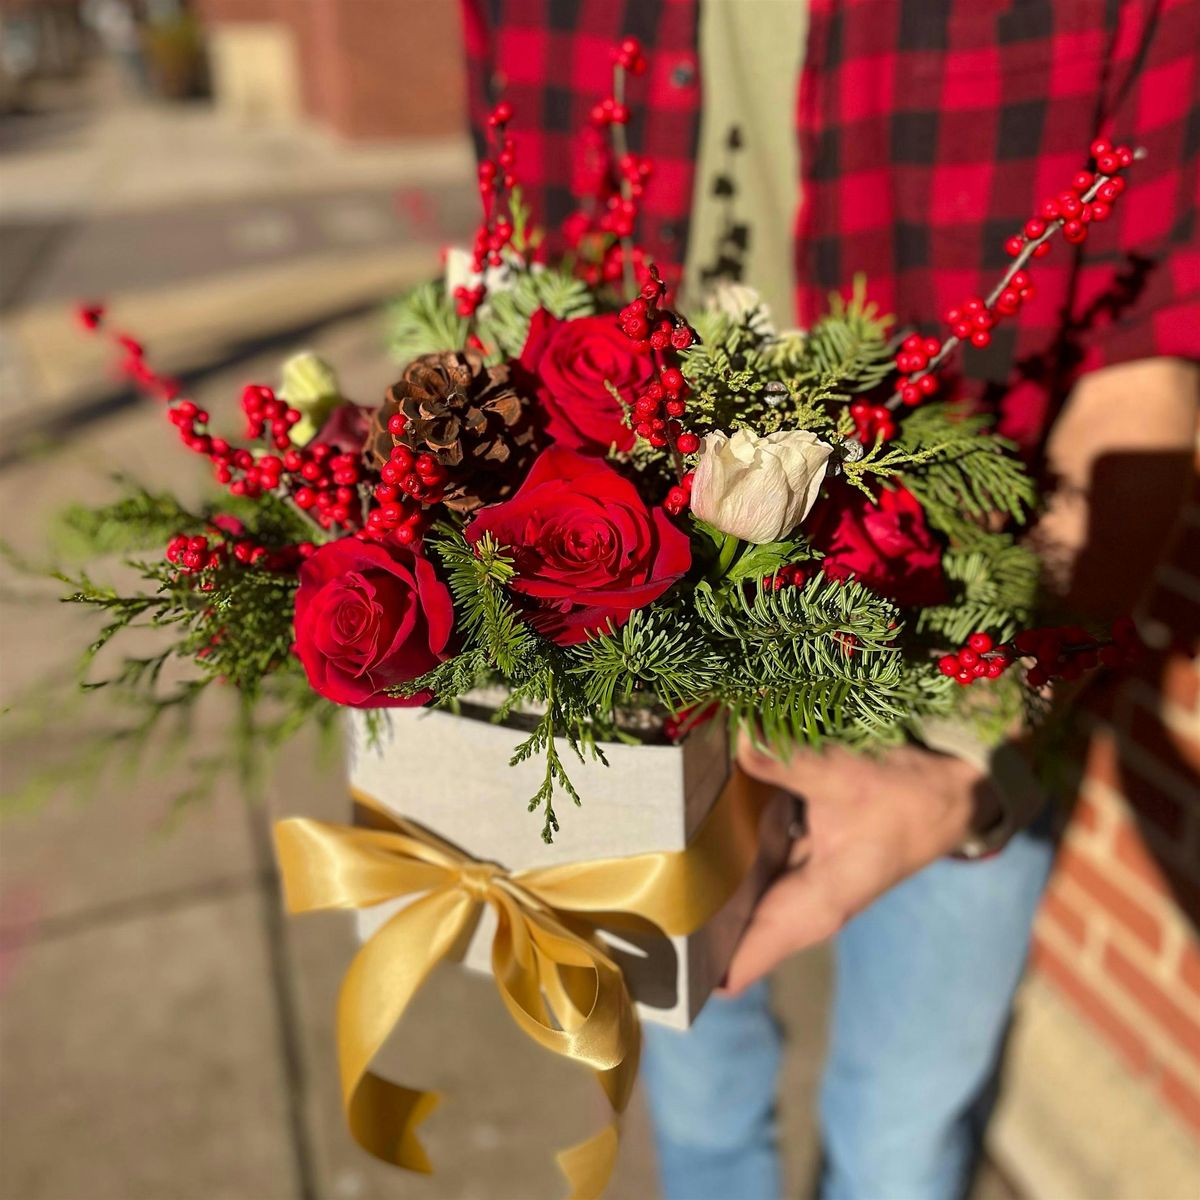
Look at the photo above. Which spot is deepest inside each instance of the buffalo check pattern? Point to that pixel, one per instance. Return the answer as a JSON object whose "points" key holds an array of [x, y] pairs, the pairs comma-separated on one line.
{"points": [[929, 131]]}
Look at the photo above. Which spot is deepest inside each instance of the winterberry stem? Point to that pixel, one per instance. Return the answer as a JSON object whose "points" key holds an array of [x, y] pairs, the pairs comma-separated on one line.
{"points": [[1018, 263], [620, 145]]}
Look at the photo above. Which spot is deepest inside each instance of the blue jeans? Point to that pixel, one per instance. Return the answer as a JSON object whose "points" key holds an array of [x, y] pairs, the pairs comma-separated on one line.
{"points": [[925, 981]]}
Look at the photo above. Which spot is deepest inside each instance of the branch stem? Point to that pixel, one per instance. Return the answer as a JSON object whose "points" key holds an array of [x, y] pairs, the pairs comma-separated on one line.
{"points": [[620, 145], [1018, 263]]}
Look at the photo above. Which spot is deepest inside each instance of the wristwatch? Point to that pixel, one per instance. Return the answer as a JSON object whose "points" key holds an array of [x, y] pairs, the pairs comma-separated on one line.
{"points": [[1013, 782], [993, 838]]}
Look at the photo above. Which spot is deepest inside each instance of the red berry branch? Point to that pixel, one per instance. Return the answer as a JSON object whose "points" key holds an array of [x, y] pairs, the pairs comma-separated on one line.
{"points": [[1089, 198], [658, 408], [495, 231], [612, 185], [1058, 652], [614, 112], [324, 484], [198, 557]]}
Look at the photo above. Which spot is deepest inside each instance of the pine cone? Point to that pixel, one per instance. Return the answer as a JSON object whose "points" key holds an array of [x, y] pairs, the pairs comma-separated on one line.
{"points": [[469, 417]]}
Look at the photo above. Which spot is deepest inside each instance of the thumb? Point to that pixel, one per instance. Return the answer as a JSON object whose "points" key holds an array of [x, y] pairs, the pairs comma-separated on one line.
{"points": [[794, 913]]}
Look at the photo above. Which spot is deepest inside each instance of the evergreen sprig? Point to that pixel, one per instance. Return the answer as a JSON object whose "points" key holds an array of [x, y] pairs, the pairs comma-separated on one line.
{"points": [[963, 474], [424, 321], [503, 323]]}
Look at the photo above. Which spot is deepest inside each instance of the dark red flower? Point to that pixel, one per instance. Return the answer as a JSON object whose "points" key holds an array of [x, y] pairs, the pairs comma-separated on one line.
{"points": [[885, 545], [369, 617], [574, 363], [346, 428], [587, 550]]}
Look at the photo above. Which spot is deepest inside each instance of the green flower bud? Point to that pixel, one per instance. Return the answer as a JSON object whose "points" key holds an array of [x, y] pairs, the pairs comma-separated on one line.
{"points": [[310, 386]]}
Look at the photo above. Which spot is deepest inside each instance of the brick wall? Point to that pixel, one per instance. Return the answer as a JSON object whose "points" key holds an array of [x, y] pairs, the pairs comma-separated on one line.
{"points": [[1118, 931], [366, 68]]}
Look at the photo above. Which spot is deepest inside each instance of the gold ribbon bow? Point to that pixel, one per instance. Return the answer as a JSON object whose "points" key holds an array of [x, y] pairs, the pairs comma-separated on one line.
{"points": [[553, 974]]}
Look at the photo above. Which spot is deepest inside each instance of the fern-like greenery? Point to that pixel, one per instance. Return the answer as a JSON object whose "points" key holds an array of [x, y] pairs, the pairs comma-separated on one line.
{"points": [[233, 640], [961, 472], [743, 375]]}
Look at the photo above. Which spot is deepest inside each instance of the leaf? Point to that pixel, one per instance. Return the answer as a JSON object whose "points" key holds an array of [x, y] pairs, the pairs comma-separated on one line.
{"points": [[763, 559]]}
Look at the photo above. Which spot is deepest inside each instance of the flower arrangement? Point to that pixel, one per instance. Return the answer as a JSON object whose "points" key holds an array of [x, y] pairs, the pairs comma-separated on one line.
{"points": [[625, 518]]}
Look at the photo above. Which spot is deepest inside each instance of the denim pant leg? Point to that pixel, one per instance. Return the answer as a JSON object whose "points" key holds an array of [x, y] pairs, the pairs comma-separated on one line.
{"points": [[925, 981], [712, 1098]]}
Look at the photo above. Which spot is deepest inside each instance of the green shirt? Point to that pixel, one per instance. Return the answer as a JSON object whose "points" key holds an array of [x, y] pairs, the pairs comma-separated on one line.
{"points": [[748, 167]]}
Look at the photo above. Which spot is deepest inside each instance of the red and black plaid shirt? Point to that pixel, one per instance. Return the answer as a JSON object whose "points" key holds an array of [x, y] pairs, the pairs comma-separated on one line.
{"points": [[929, 131]]}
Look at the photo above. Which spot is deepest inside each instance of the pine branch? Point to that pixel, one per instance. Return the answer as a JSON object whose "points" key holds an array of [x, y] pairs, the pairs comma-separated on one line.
{"points": [[478, 576], [503, 322], [423, 321], [657, 653]]}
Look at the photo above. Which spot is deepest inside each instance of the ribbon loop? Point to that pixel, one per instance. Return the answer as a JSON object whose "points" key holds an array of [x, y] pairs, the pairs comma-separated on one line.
{"points": [[550, 966]]}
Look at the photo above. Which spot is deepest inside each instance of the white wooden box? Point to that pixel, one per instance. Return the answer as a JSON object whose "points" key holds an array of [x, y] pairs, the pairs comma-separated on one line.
{"points": [[451, 774]]}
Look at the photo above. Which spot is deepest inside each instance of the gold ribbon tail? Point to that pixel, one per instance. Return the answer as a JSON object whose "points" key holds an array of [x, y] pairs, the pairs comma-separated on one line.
{"points": [[384, 976]]}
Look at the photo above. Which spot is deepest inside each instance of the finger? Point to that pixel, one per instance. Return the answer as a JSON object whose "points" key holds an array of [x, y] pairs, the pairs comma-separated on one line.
{"points": [[793, 914], [793, 774]]}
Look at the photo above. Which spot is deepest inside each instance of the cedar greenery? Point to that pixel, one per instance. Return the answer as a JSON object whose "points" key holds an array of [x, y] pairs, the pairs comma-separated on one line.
{"points": [[234, 641]]}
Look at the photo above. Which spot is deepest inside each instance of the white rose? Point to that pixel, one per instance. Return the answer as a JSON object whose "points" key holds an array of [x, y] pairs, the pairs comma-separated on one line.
{"points": [[759, 488], [743, 305]]}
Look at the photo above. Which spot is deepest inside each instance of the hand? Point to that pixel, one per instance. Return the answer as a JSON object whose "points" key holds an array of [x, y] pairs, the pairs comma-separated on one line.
{"points": [[871, 822]]}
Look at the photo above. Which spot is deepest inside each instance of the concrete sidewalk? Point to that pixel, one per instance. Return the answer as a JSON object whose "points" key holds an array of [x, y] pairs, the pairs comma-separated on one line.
{"points": [[205, 237]]}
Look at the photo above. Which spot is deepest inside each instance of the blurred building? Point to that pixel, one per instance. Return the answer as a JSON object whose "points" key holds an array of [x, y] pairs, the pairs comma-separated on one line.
{"points": [[37, 38], [361, 68]]}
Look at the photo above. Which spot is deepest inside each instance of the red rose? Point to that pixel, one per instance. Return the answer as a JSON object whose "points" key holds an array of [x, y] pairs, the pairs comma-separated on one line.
{"points": [[368, 618], [586, 548], [574, 362], [886, 546]]}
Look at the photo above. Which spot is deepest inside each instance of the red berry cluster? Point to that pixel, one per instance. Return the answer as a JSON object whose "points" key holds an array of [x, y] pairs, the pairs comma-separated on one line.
{"points": [[974, 321], [324, 483], [236, 467], [679, 498], [317, 477], [90, 316], [980, 658], [793, 575], [652, 329], [600, 233], [872, 421], [192, 555], [1089, 198], [495, 231], [407, 481], [197, 556], [265, 413], [628, 58], [1059, 652], [611, 184], [916, 353], [609, 112], [468, 299]]}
